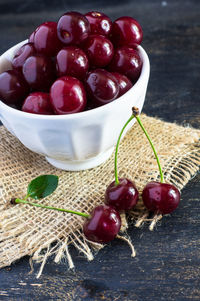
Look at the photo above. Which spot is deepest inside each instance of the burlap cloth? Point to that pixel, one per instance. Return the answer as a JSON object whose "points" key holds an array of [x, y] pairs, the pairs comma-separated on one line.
{"points": [[26, 230]]}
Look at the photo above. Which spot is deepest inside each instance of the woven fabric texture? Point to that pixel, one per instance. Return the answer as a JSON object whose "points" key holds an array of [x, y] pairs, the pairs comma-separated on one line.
{"points": [[26, 230]]}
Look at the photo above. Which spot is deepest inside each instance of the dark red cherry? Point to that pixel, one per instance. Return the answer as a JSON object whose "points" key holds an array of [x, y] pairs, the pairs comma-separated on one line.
{"points": [[161, 197], [22, 54], [73, 28], [31, 38], [122, 196], [126, 61], [38, 71], [38, 103], [124, 83], [104, 224], [13, 88], [99, 23], [72, 61], [99, 50], [101, 86], [46, 40], [126, 31], [67, 95]]}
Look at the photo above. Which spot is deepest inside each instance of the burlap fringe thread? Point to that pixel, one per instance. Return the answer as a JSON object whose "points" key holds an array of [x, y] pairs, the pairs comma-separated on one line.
{"points": [[25, 230]]}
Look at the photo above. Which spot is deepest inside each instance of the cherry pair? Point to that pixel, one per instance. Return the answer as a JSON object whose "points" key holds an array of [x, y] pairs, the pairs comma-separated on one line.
{"points": [[159, 197]]}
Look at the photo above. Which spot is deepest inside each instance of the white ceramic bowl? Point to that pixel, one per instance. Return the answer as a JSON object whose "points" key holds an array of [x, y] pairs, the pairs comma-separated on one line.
{"points": [[76, 141]]}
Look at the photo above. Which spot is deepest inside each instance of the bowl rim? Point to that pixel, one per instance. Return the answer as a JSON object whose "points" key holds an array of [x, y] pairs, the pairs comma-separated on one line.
{"points": [[110, 106]]}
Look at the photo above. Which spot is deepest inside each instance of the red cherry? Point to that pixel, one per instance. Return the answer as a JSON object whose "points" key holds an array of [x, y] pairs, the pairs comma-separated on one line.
{"points": [[45, 39], [99, 50], [124, 83], [39, 72], [72, 61], [99, 23], [126, 31], [122, 196], [161, 197], [73, 28], [13, 88], [22, 54], [126, 61], [67, 95], [101, 86], [104, 224], [38, 103]]}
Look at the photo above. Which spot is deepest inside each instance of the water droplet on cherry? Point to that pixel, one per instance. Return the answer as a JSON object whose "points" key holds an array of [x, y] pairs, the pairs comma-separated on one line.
{"points": [[161, 197], [122, 196]]}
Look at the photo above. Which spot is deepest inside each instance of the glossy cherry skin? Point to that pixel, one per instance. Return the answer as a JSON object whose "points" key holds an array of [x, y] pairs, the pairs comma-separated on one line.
{"points": [[101, 86], [13, 88], [22, 54], [72, 61], [99, 50], [99, 23], [161, 197], [126, 61], [124, 83], [38, 103], [46, 40], [104, 224], [38, 71], [126, 31], [73, 28], [123, 196], [67, 95]]}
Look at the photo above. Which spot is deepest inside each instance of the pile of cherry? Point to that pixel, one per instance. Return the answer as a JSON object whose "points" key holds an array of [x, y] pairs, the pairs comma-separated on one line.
{"points": [[79, 63], [104, 223]]}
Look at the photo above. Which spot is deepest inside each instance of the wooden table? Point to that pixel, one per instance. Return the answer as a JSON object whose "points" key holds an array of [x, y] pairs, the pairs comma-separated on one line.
{"points": [[167, 266]]}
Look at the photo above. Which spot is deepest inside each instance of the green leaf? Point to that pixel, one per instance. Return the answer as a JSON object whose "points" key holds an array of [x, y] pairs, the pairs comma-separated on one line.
{"points": [[42, 186]]}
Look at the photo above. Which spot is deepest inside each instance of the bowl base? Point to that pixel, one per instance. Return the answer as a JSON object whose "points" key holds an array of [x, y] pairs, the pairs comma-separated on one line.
{"points": [[81, 165]]}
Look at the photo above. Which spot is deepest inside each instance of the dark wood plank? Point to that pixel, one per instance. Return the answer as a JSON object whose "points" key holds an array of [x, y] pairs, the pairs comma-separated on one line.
{"points": [[168, 260]]}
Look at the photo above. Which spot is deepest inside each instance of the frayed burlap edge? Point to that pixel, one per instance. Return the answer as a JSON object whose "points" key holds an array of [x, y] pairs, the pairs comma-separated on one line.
{"points": [[180, 163]]}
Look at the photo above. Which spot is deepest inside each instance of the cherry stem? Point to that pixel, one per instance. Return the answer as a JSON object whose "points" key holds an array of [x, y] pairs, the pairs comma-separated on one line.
{"points": [[135, 114], [19, 201], [117, 146]]}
